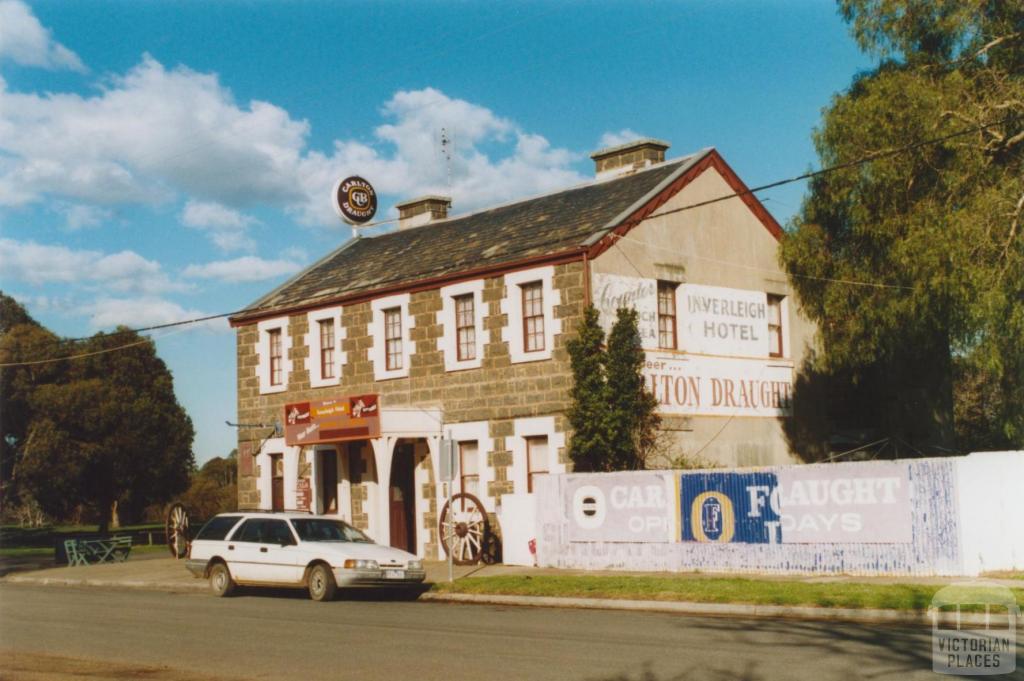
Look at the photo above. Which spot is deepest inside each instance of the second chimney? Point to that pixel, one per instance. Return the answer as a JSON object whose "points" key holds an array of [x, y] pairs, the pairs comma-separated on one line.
{"points": [[625, 158], [422, 210]]}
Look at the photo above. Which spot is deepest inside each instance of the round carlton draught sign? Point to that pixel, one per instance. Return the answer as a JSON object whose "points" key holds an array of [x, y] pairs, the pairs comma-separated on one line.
{"points": [[355, 200]]}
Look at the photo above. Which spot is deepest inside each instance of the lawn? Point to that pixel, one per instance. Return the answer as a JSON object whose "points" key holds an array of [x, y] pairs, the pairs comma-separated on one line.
{"points": [[708, 590]]}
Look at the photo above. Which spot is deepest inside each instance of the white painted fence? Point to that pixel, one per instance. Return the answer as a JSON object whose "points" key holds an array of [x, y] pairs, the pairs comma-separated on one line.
{"points": [[941, 516]]}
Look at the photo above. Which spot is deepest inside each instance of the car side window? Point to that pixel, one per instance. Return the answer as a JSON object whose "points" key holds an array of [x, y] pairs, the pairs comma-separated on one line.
{"points": [[250, 531], [277, 532]]}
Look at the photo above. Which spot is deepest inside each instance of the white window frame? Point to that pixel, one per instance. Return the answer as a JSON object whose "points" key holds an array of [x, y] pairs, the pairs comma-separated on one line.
{"points": [[512, 307], [263, 329], [312, 341], [448, 343], [378, 352], [479, 431], [534, 427]]}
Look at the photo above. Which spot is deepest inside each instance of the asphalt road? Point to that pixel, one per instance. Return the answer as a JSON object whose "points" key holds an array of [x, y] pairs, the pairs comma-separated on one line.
{"points": [[261, 635]]}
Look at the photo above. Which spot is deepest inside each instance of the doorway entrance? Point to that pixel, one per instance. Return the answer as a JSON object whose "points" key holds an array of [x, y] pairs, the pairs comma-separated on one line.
{"points": [[402, 498], [329, 481], [277, 482]]}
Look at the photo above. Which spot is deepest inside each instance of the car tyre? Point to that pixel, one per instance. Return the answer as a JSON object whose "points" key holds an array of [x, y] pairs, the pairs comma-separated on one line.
{"points": [[221, 582], [322, 586]]}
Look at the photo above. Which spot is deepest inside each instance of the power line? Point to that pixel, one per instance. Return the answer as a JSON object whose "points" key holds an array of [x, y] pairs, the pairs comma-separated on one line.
{"points": [[875, 156], [830, 169], [851, 282]]}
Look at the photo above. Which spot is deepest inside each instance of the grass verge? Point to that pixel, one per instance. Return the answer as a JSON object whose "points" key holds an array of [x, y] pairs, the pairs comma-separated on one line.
{"points": [[915, 597]]}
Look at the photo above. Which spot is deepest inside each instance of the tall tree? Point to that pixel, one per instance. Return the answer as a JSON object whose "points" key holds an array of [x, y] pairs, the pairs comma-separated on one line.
{"points": [[632, 408], [109, 434], [588, 411], [21, 339], [936, 231]]}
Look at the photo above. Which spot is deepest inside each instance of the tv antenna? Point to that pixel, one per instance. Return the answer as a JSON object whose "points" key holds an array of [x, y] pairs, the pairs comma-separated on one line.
{"points": [[447, 150]]}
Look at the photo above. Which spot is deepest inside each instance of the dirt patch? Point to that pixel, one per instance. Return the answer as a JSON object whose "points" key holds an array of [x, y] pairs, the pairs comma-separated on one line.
{"points": [[20, 666]]}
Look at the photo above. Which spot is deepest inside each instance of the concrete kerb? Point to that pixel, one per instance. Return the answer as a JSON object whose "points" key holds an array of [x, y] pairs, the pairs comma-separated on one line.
{"points": [[148, 585], [852, 615]]}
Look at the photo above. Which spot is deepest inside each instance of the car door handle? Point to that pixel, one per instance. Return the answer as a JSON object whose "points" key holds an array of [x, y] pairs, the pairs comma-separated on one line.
{"points": [[263, 549]]}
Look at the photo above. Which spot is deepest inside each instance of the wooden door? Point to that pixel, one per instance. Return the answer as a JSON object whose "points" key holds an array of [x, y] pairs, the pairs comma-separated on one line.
{"points": [[277, 482], [402, 499], [329, 481]]}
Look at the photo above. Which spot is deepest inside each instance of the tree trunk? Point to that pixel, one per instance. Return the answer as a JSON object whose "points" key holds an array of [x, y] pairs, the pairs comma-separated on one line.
{"points": [[115, 520]]}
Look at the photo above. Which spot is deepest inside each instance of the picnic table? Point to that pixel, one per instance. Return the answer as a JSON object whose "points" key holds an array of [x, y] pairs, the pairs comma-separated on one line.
{"points": [[86, 551]]}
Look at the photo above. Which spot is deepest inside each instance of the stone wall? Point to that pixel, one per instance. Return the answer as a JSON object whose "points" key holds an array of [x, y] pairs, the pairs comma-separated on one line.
{"points": [[498, 392]]}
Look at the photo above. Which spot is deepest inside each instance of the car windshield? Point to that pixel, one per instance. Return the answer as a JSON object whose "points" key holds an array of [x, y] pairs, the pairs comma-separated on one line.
{"points": [[319, 529]]}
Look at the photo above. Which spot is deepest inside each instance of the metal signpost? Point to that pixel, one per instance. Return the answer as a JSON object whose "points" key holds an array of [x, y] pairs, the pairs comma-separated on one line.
{"points": [[449, 469]]}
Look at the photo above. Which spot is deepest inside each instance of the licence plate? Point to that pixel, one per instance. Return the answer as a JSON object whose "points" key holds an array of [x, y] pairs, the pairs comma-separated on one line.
{"points": [[394, 574]]}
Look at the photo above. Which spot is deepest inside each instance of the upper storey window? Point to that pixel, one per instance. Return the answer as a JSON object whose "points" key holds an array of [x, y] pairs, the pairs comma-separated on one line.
{"points": [[273, 346], [667, 315], [325, 358], [529, 304], [392, 345], [461, 319]]}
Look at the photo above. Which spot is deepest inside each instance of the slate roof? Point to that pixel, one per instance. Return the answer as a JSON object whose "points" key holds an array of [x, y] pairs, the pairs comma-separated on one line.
{"points": [[535, 227]]}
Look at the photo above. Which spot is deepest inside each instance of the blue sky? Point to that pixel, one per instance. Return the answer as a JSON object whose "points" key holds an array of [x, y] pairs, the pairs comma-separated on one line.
{"points": [[160, 160]]}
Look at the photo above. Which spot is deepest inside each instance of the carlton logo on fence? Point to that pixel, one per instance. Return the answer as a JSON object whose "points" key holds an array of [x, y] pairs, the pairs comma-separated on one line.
{"points": [[811, 504], [338, 420], [620, 507]]}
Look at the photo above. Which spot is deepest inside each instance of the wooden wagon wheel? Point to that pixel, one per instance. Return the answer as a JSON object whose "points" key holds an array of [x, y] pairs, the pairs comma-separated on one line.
{"points": [[176, 528], [469, 531]]}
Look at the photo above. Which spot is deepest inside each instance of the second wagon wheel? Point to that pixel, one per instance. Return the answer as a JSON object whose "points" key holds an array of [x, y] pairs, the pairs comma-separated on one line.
{"points": [[177, 530], [466, 537]]}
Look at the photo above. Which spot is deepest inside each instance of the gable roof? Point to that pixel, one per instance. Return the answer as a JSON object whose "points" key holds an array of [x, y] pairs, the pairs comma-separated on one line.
{"points": [[556, 227]]}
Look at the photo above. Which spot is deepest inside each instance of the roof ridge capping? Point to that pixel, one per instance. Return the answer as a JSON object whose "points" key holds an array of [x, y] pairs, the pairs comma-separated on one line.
{"points": [[555, 192]]}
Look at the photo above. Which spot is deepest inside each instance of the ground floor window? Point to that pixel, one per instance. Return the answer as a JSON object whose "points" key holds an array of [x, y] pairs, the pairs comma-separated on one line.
{"points": [[469, 467], [536, 459]]}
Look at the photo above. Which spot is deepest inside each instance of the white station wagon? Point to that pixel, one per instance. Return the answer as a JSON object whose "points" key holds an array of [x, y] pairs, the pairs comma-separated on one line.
{"points": [[319, 553]]}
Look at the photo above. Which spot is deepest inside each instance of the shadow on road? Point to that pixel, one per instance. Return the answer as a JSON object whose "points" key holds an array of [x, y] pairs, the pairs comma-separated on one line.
{"points": [[362, 595]]}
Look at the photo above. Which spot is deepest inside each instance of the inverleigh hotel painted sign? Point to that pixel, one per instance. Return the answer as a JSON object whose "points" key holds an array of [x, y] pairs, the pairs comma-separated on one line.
{"points": [[722, 365]]}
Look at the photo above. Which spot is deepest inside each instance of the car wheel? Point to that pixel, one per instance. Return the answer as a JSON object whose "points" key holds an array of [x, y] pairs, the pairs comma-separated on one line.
{"points": [[221, 582], [321, 583]]}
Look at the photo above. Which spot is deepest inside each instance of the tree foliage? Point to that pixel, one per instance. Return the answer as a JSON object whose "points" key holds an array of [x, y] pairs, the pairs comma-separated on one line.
{"points": [[214, 487], [632, 407], [588, 411], [103, 431], [611, 413], [937, 230]]}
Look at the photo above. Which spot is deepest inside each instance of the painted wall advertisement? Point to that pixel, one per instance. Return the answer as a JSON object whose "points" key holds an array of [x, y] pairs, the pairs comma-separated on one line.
{"points": [[719, 386], [620, 507], [722, 321], [854, 503], [612, 291]]}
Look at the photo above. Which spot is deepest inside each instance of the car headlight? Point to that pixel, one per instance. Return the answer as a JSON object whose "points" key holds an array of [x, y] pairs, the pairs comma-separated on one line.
{"points": [[415, 565], [360, 564]]}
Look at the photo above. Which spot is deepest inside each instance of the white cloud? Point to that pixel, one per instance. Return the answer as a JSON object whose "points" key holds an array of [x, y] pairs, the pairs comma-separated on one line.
{"points": [[224, 226], [157, 133], [79, 215], [122, 272], [143, 311], [243, 269], [25, 41], [614, 139]]}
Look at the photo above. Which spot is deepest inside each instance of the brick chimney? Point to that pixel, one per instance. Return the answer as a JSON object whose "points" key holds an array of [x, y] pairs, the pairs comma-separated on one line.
{"points": [[625, 158], [422, 210]]}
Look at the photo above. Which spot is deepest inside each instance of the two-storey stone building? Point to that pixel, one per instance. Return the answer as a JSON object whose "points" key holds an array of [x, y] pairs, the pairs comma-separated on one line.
{"points": [[457, 327]]}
